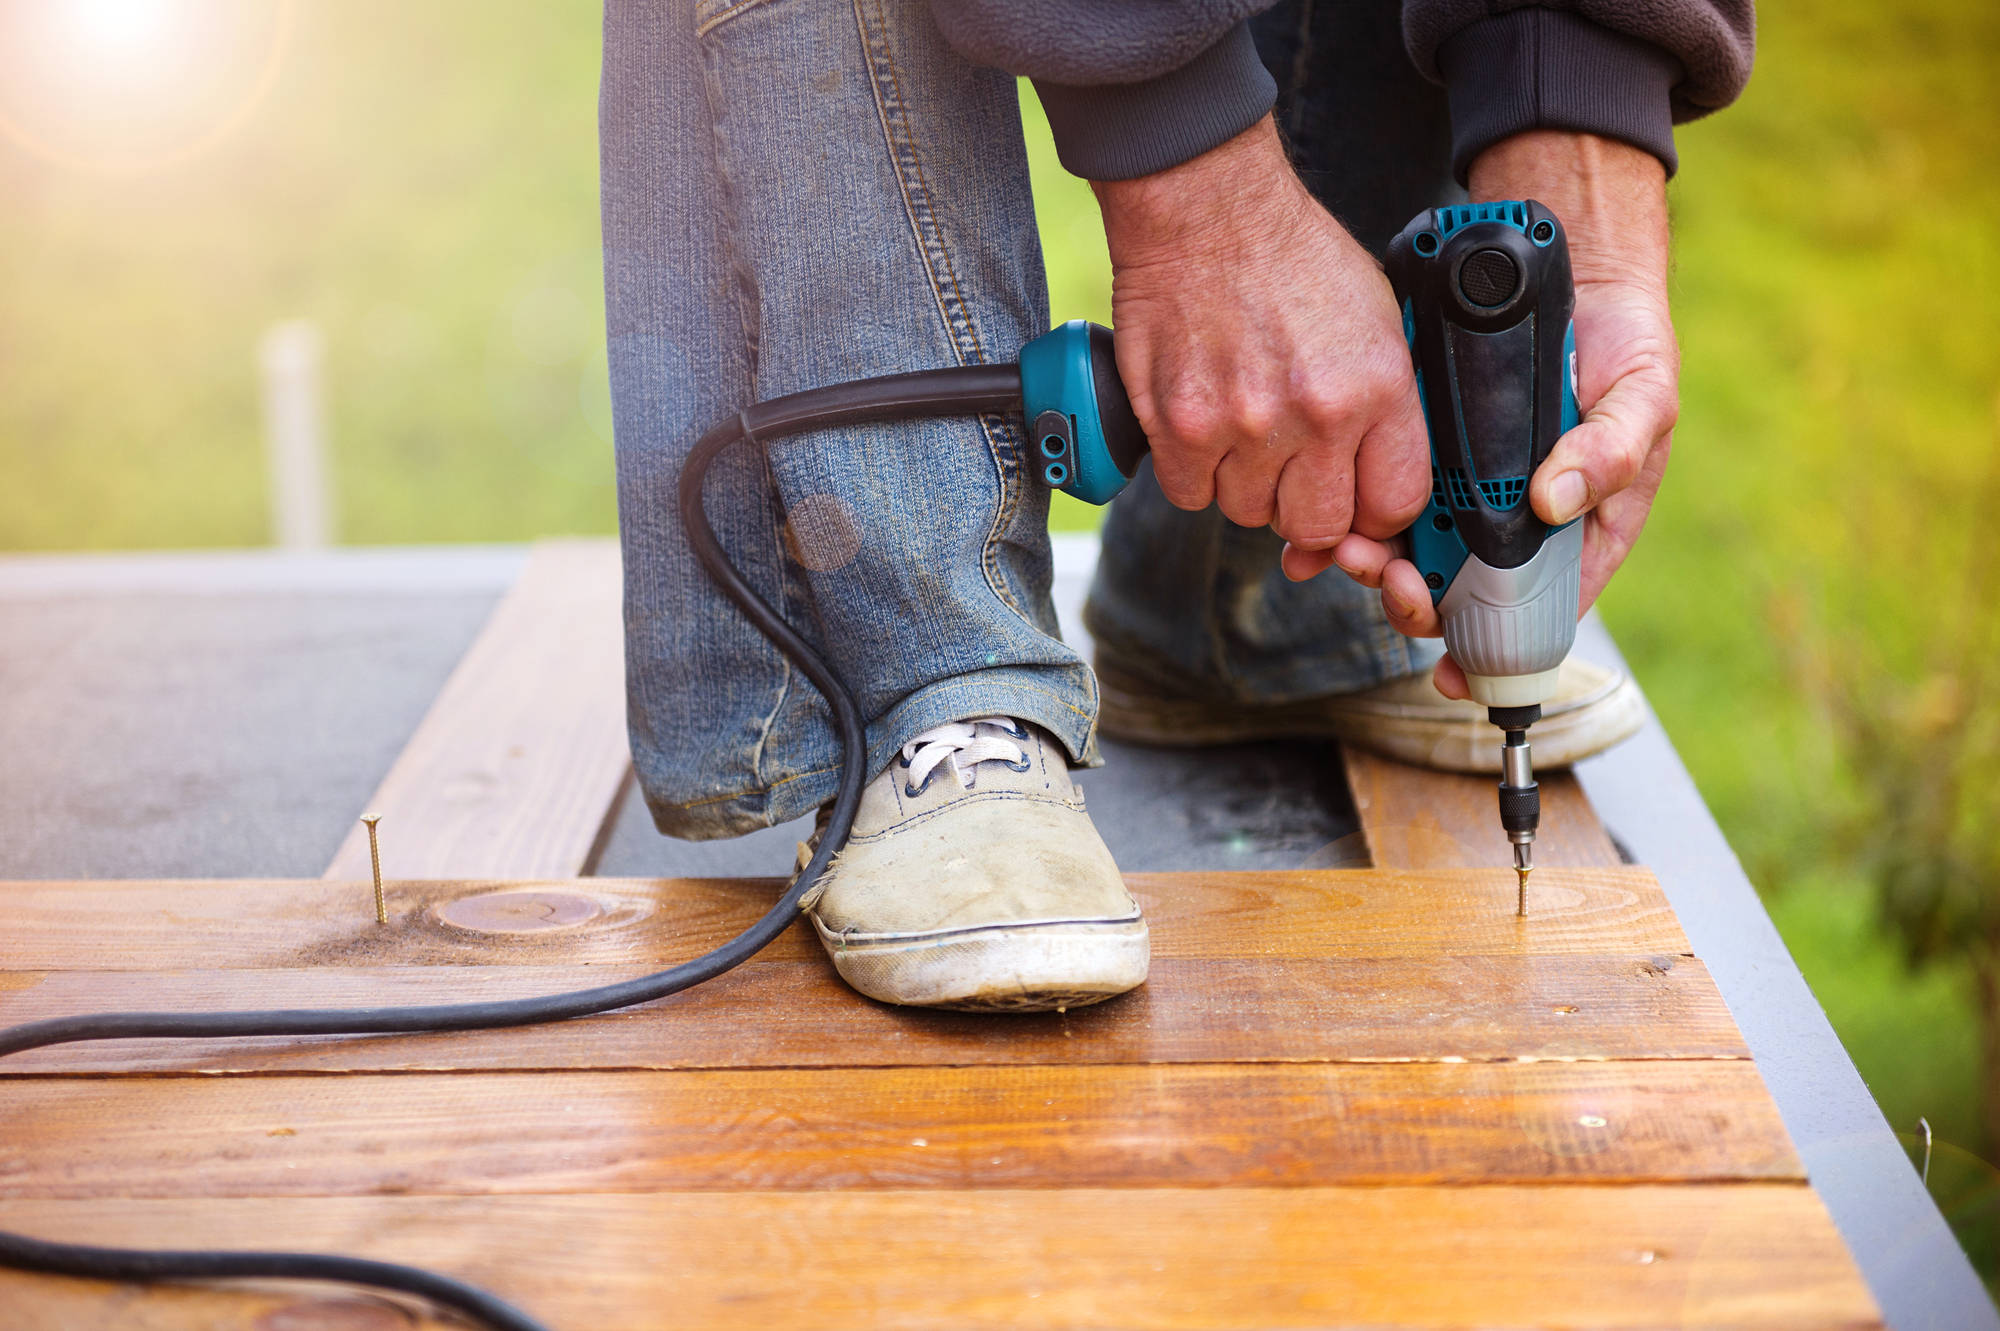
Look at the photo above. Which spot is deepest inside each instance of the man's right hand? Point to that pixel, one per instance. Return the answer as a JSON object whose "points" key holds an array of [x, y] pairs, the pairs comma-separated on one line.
{"points": [[1263, 351]]}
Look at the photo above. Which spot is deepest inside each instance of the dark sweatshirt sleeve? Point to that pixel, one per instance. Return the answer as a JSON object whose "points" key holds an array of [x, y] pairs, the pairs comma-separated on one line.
{"points": [[1136, 86], [1626, 69], [1130, 86]]}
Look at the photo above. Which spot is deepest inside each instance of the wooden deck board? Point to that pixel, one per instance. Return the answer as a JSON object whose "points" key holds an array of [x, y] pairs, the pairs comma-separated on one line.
{"points": [[517, 766], [798, 1014], [1187, 1125], [146, 926], [1730, 1255], [1412, 818]]}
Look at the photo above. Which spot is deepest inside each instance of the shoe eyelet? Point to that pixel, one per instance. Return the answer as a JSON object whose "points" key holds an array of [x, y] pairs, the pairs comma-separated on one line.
{"points": [[911, 792], [903, 761], [1019, 731], [1021, 766]]}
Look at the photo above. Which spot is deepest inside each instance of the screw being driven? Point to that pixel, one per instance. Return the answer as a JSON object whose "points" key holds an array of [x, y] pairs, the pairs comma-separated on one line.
{"points": [[369, 820]]}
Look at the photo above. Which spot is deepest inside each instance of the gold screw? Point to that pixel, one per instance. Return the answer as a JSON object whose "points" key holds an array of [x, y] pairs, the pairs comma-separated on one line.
{"points": [[369, 820]]}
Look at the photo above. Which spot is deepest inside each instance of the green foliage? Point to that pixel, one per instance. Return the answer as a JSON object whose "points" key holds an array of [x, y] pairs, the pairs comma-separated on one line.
{"points": [[1804, 606]]}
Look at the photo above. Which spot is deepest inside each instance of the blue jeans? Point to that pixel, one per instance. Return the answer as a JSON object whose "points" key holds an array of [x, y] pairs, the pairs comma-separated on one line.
{"points": [[799, 192]]}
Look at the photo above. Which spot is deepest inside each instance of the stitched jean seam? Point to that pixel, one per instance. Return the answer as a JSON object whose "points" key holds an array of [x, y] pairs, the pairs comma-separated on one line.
{"points": [[743, 286], [953, 309]]}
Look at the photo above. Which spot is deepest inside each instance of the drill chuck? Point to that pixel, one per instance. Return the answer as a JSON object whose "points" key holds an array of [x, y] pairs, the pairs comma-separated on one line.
{"points": [[1520, 797]]}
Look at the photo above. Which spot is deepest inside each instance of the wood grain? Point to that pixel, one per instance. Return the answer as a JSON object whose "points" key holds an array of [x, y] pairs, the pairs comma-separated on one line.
{"points": [[798, 1014], [995, 1127], [1414, 818], [312, 923], [518, 765], [1727, 1255]]}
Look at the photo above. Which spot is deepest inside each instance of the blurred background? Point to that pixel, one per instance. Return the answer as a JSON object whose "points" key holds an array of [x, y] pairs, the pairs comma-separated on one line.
{"points": [[290, 271]]}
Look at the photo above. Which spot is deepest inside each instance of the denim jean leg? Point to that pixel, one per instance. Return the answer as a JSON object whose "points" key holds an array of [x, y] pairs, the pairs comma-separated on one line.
{"points": [[1191, 599], [801, 193]]}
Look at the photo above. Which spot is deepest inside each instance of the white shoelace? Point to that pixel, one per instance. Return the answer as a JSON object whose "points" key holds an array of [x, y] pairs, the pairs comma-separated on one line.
{"points": [[962, 746]]}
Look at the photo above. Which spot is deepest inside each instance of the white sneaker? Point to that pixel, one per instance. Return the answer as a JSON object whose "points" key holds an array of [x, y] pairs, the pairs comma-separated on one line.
{"points": [[974, 879]]}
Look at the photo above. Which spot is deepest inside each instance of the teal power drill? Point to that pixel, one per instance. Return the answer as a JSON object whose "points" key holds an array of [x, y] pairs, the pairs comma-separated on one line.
{"points": [[1487, 297]]}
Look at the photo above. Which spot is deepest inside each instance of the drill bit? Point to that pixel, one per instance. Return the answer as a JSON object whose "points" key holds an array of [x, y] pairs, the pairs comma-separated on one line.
{"points": [[1520, 797]]}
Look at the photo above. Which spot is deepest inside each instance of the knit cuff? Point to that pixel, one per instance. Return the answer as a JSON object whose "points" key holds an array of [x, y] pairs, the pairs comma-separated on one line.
{"points": [[1546, 69], [1121, 130]]}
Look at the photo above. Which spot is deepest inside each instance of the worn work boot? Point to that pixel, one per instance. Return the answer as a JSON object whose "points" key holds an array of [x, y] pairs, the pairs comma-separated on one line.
{"points": [[974, 879], [1406, 719]]}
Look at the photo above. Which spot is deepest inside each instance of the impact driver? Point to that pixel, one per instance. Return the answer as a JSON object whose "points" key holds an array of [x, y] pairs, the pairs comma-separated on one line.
{"points": [[1487, 297]]}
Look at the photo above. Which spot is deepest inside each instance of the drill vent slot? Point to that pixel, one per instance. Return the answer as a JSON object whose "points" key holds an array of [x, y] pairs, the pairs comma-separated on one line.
{"points": [[1464, 215], [1459, 489], [1454, 489]]}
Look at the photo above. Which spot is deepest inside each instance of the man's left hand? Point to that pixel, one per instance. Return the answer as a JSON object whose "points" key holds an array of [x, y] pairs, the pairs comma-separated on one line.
{"points": [[1612, 201]]}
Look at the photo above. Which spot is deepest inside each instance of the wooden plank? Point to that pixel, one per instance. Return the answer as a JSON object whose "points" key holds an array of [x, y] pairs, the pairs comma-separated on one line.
{"points": [[1414, 818], [518, 765], [1199, 1010], [603, 921], [1720, 1255], [1198, 1125]]}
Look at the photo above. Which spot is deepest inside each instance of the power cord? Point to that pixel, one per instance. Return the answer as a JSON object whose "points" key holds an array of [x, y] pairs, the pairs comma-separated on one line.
{"points": [[971, 389]]}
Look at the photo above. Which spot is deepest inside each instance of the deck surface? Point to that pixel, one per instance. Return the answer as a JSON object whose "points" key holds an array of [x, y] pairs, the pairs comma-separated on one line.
{"points": [[1346, 1097], [1356, 1097]]}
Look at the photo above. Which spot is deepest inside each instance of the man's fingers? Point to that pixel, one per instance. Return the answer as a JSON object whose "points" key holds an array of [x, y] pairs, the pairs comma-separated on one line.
{"points": [[1183, 457], [1315, 499], [1607, 452], [1407, 601], [1392, 470], [1450, 680], [1246, 483], [1616, 523], [1301, 565], [1363, 559]]}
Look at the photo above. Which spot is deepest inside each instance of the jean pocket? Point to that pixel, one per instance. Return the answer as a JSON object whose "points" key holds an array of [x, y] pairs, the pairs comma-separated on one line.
{"points": [[711, 14]]}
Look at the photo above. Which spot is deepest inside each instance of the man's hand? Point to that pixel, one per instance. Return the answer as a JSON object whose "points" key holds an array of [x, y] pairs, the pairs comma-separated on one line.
{"points": [[1262, 350], [1612, 202]]}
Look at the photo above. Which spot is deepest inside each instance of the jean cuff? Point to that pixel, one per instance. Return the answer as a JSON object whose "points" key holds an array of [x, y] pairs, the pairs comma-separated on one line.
{"points": [[1060, 699]]}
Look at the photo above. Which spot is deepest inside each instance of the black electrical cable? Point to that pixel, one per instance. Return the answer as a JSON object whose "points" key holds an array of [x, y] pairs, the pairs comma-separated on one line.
{"points": [[961, 390]]}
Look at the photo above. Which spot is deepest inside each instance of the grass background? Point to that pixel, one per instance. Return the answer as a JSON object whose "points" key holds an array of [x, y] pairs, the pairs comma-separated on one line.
{"points": [[420, 181]]}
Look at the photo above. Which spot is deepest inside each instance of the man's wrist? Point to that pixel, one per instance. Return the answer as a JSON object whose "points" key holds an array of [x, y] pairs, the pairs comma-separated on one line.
{"points": [[1188, 205], [1611, 197]]}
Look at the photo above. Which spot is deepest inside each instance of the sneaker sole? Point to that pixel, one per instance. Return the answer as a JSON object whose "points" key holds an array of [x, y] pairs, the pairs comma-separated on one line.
{"points": [[1001, 968], [1581, 729]]}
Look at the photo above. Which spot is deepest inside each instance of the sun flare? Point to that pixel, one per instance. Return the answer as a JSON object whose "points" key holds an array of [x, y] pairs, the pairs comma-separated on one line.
{"points": [[132, 86]]}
